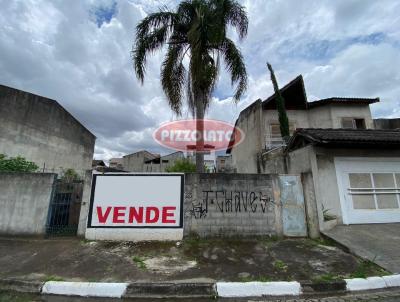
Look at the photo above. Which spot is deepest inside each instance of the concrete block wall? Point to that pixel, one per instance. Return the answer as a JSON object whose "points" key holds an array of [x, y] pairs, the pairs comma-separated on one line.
{"points": [[232, 205], [24, 202], [42, 131]]}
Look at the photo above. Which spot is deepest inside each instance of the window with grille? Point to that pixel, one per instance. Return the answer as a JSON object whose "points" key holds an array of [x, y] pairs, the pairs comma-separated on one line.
{"points": [[374, 191], [275, 138]]}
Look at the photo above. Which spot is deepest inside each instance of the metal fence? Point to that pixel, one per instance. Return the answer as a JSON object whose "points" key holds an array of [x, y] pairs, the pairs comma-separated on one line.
{"points": [[64, 210]]}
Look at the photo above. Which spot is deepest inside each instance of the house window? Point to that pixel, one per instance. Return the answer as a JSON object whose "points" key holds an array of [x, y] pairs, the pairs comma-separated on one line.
{"points": [[353, 123], [165, 161], [371, 191], [275, 138]]}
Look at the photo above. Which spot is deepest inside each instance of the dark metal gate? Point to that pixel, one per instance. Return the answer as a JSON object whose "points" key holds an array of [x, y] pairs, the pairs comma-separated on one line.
{"points": [[64, 210]]}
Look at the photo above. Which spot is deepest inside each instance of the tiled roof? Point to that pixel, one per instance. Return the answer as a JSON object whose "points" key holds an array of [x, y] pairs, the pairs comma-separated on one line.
{"points": [[340, 100], [348, 137]]}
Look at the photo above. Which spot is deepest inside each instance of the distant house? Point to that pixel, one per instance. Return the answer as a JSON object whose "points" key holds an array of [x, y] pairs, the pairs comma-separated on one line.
{"points": [[224, 164], [161, 163], [387, 123], [260, 123], [42, 131], [209, 160], [98, 163], [135, 162], [116, 163]]}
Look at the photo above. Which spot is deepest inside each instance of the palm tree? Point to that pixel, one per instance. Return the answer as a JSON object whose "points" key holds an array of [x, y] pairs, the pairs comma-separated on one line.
{"points": [[197, 31]]}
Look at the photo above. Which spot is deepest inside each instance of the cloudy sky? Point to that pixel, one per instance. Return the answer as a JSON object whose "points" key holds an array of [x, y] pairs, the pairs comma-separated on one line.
{"points": [[78, 52]]}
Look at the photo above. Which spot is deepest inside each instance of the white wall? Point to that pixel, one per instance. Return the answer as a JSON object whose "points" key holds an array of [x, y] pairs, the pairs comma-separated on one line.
{"points": [[244, 155], [339, 111], [326, 173]]}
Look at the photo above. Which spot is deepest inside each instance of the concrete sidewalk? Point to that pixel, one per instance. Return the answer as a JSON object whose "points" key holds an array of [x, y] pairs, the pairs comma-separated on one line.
{"points": [[379, 243], [192, 259]]}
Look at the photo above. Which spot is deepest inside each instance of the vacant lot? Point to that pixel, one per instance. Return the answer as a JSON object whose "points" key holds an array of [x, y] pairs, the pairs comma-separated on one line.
{"points": [[219, 259]]}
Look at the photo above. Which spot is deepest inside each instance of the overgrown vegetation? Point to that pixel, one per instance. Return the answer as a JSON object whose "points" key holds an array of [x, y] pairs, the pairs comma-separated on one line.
{"points": [[258, 278], [364, 269], [280, 265], [139, 262], [182, 165], [322, 241], [53, 278], [70, 175], [325, 278], [16, 164]]}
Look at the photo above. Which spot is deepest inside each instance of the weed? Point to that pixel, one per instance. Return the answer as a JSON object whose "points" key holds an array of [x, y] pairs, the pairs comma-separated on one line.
{"points": [[139, 262], [92, 280], [280, 265], [258, 278], [322, 241], [327, 216], [53, 278], [326, 278], [85, 241], [365, 268], [270, 240]]}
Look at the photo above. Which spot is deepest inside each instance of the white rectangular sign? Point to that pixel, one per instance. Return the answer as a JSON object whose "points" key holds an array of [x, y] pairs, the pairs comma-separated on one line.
{"points": [[136, 201]]}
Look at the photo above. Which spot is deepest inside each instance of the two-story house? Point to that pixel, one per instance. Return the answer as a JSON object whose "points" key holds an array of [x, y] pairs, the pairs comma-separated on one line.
{"points": [[350, 166], [259, 121]]}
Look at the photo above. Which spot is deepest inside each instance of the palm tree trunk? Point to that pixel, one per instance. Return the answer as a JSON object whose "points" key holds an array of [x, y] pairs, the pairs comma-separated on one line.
{"points": [[199, 99]]}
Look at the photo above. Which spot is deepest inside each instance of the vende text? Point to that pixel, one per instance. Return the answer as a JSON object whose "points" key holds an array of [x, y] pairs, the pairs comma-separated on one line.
{"points": [[134, 215]]}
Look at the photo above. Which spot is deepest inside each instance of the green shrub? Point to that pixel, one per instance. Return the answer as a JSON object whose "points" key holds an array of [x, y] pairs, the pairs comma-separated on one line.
{"points": [[70, 175], [16, 164], [182, 165]]}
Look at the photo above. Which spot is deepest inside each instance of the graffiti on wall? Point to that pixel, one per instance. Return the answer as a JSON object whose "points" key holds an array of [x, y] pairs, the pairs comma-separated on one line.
{"points": [[229, 202]]}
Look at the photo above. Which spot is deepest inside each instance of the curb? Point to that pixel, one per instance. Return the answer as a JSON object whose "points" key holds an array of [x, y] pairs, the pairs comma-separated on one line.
{"points": [[170, 290], [182, 289], [17, 285]]}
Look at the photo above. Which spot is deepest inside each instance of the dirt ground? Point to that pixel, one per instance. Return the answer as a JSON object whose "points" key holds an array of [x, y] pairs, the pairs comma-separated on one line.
{"points": [[218, 259]]}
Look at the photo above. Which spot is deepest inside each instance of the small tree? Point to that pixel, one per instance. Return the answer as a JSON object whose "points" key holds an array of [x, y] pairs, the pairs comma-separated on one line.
{"points": [[280, 105], [16, 164], [182, 165], [70, 175]]}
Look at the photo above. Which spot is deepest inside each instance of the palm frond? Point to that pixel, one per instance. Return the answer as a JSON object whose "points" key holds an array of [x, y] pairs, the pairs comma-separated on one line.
{"points": [[234, 14], [147, 44], [235, 65], [173, 77], [153, 22]]}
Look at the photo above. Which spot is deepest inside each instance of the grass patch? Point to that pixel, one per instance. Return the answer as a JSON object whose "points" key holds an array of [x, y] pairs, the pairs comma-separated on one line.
{"points": [[326, 278], [92, 280], [139, 262], [258, 278], [280, 265], [366, 268], [270, 241], [53, 278], [321, 241]]}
